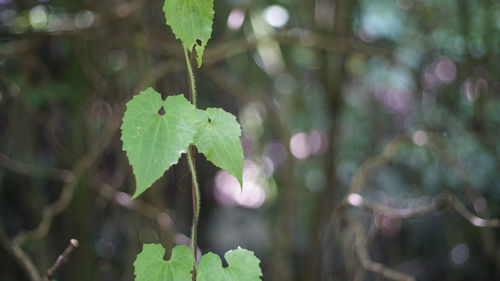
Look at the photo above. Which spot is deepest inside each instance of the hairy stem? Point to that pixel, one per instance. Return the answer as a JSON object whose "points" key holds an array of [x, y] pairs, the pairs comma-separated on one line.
{"points": [[192, 169], [196, 199], [192, 81]]}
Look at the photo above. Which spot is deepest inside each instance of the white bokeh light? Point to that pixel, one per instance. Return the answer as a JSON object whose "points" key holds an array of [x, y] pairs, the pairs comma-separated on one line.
{"points": [[276, 16], [355, 199], [299, 146], [303, 145]]}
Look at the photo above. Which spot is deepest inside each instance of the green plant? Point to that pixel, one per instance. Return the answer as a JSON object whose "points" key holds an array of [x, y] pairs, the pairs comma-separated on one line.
{"points": [[155, 132]]}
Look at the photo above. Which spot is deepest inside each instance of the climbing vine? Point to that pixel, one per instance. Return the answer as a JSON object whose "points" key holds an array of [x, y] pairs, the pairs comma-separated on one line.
{"points": [[156, 132]]}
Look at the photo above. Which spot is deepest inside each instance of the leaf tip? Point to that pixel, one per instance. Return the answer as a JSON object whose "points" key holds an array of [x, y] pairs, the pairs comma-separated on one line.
{"points": [[199, 55], [240, 180], [135, 195], [138, 191]]}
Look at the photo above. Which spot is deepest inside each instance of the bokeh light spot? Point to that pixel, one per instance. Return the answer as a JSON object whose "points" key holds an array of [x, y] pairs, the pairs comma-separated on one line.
{"points": [[420, 138], [235, 19], [276, 16], [355, 199], [38, 17], [229, 193], [299, 146], [445, 70], [459, 254], [84, 19]]}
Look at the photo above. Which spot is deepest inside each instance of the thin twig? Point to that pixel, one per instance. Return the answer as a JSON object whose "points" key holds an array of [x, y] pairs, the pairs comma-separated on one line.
{"points": [[368, 263], [62, 259], [124, 200], [440, 202], [34, 170], [50, 211], [19, 256], [106, 190], [358, 201], [468, 215], [359, 180]]}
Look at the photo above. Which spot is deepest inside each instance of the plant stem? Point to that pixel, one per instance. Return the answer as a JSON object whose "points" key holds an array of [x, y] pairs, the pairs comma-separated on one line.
{"points": [[192, 169], [196, 200], [192, 81]]}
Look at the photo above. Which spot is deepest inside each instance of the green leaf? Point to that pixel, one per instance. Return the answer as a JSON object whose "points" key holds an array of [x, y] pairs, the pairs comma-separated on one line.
{"points": [[150, 266], [191, 22], [153, 141], [243, 266], [219, 141]]}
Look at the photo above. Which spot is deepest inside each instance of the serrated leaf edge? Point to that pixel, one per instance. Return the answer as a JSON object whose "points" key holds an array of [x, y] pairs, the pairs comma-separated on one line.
{"points": [[178, 247], [240, 179], [230, 265], [199, 57], [135, 194]]}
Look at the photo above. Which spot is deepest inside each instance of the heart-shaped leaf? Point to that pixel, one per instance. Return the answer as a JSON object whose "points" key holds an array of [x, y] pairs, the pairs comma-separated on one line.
{"points": [[243, 266], [191, 22], [150, 265], [155, 133], [219, 140]]}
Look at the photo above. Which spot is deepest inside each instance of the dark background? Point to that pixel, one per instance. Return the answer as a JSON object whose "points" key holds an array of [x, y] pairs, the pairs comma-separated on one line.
{"points": [[355, 114]]}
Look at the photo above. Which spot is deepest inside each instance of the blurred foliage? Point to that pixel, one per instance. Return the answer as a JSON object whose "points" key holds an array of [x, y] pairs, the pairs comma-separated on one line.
{"points": [[319, 87]]}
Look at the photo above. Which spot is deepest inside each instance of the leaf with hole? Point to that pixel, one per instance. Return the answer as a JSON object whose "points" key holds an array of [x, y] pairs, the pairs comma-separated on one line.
{"points": [[219, 140], [155, 132], [191, 22], [150, 265], [243, 266]]}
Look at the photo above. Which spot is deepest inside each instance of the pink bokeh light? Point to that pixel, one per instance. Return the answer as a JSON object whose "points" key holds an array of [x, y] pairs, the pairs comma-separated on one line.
{"points": [[229, 193]]}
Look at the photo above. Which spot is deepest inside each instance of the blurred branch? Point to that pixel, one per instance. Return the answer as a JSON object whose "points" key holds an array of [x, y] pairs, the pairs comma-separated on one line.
{"points": [[230, 86], [355, 199], [295, 37], [19, 256], [73, 243], [105, 190], [440, 202], [104, 16], [34, 170], [226, 49], [19, 46], [360, 242], [435, 143], [468, 215], [50, 211], [391, 149], [124, 200]]}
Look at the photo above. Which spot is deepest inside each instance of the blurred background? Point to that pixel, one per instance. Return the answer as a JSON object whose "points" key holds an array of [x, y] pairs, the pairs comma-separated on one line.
{"points": [[370, 130]]}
